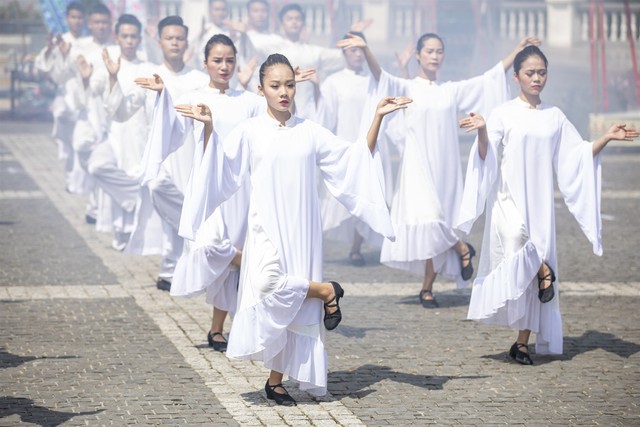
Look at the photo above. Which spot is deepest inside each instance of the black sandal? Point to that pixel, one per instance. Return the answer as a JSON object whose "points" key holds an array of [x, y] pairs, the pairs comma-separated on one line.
{"points": [[280, 398], [217, 345], [332, 320], [546, 294], [520, 356], [356, 259], [467, 271], [428, 303]]}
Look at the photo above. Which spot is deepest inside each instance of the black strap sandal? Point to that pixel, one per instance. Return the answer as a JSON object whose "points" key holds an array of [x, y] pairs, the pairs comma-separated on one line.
{"points": [[217, 345], [428, 303], [546, 294], [467, 271], [280, 398], [520, 356], [332, 320]]}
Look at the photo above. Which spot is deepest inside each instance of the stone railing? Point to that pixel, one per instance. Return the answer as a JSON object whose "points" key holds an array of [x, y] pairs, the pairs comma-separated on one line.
{"points": [[614, 21], [517, 19]]}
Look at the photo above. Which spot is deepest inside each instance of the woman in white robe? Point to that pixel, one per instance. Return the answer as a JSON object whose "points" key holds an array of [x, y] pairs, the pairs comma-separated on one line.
{"points": [[211, 262], [281, 295], [510, 171], [429, 187]]}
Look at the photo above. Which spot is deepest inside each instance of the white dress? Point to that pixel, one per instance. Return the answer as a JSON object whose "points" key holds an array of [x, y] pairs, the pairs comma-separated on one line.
{"points": [[275, 322], [205, 263], [515, 183], [429, 188], [343, 96]]}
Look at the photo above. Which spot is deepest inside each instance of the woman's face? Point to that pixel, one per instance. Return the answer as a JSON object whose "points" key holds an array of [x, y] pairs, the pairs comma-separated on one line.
{"points": [[532, 76], [221, 64], [279, 87], [431, 56]]}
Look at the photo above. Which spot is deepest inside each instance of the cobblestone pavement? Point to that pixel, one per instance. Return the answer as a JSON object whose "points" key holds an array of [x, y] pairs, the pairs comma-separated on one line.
{"points": [[87, 339]]}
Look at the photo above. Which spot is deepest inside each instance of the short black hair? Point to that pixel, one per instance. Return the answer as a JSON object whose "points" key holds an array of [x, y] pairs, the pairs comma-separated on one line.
{"points": [[423, 38], [289, 7], [526, 53], [218, 39], [172, 20], [125, 18], [74, 5], [99, 9], [274, 59], [264, 2]]}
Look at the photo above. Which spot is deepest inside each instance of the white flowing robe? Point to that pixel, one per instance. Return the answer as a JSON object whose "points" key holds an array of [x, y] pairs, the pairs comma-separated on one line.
{"points": [[343, 95], [429, 189], [515, 183], [275, 322], [205, 263], [151, 235]]}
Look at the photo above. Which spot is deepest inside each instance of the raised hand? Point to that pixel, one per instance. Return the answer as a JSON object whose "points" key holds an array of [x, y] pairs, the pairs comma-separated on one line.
{"points": [[528, 41], [199, 112], [405, 56], [619, 132], [154, 83], [63, 46], [50, 45], [113, 67], [238, 26], [246, 71], [302, 75], [392, 103], [472, 122], [361, 25], [351, 41], [85, 68]]}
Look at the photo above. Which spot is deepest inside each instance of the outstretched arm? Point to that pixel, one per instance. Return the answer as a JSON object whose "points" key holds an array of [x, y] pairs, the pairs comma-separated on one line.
{"points": [[476, 122], [385, 106], [507, 62], [617, 132], [355, 41]]}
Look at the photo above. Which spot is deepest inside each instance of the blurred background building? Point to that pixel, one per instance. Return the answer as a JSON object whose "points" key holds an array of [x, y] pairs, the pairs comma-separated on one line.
{"points": [[592, 45]]}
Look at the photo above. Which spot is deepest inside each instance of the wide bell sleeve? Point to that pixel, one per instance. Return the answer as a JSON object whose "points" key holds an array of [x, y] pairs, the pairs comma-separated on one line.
{"points": [[481, 176], [580, 182], [218, 176], [483, 93], [168, 132], [354, 176], [120, 106]]}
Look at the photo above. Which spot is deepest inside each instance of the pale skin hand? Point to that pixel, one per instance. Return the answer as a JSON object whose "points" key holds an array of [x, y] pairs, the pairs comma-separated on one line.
{"points": [[303, 74], [238, 26], [154, 83], [476, 122], [113, 67], [385, 106], [246, 72], [361, 25], [356, 41], [617, 132], [85, 69], [404, 57], [63, 46], [507, 62], [201, 113]]}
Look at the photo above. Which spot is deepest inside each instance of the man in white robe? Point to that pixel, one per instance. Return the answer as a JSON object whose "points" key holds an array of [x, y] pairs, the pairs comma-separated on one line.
{"points": [[166, 179], [63, 116], [218, 13]]}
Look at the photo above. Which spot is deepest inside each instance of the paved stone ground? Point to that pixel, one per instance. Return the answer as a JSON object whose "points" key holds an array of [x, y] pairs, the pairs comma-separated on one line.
{"points": [[86, 339]]}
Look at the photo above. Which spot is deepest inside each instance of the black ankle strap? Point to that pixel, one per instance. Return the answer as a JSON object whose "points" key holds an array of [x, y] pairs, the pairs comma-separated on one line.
{"points": [[519, 345], [273, 387]]}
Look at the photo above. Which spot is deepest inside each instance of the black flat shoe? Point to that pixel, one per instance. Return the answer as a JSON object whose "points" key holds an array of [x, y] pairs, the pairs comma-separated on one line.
{"points": [[467, 271], [280, 398], [332, 320], [520, 356], [546, 294], [428, 303], [217, 345], [163, 284]]}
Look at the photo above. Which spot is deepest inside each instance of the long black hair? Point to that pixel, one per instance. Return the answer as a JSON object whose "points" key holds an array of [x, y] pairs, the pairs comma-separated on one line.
{"points": [[274, 59], [526, 53]]}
